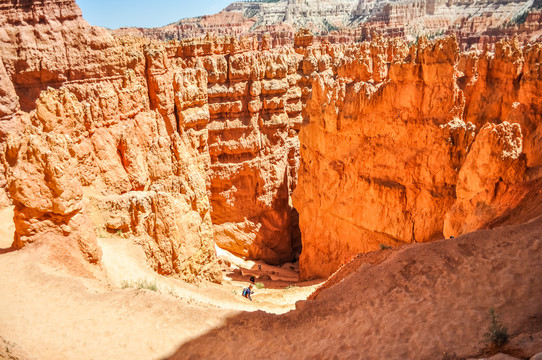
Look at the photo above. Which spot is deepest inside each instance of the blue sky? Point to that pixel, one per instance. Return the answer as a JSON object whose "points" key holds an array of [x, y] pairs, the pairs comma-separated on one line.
{"points": [[118, 13]]}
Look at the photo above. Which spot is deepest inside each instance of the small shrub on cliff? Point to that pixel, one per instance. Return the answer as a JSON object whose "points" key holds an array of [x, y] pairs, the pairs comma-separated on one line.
{"points": [[251, 13], [384, 247], [329, 27], [497, 334], [172, 292], [519, 18]]}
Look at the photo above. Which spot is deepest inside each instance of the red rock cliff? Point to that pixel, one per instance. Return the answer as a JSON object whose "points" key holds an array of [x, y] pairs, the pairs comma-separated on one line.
{"points": [[246, 105], [149, 139], [187, 144], [408, 145], [95, 147]]}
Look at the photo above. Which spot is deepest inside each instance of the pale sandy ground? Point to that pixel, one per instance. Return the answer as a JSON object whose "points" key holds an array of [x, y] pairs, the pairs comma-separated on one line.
{"points": [[421, 301], [47, 312], [7, 228]]}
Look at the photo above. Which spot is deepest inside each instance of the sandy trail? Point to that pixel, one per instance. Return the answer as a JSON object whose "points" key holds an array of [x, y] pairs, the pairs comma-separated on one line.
{"points": [[125, 263], [420, 301], [6, 229], [50, 313], [56, 316], [423, 301]]}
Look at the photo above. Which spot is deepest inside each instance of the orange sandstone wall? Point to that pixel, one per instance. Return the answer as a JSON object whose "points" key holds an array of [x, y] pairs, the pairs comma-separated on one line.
{"points": [[91, 153], [243, 108], [412, 144], [187, 144], [180, 145]]}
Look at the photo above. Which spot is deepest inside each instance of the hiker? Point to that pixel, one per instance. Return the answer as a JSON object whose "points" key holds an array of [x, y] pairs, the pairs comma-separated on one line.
{"points": [[247, 292]]}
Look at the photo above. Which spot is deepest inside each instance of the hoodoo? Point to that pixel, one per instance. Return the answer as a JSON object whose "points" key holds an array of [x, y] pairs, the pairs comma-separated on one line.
{"points": [[186, 144]]}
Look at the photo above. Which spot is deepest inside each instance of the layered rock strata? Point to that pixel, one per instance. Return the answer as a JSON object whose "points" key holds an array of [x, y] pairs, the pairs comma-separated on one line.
{"points": [[280, 18], [95, 147], [254, 119], [149, 139], [186, 144], [474, 23], [412, 144], [246, 105]]}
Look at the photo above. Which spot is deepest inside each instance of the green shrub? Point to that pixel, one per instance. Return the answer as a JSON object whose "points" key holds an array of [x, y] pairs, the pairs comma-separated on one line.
{"points": [[519, 18], [259, 285], [146, 284], [249, 13], [329, 27], [384, 247], [497, 334], [140, 284], [172, 292]]}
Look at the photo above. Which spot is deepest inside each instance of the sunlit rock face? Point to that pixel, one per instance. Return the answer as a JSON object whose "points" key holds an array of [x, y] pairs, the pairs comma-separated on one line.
{"points": [[242, 107], [412, 144], [88, 149], [184, 145]]}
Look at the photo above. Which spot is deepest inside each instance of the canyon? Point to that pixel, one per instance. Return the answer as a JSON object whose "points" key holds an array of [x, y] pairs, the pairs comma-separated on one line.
{"points": [[155, 134], [474, 23], [184, 145], [423, 144], [276, 149]]}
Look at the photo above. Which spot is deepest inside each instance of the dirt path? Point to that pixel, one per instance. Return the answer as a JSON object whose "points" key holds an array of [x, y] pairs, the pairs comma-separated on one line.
{"points": [[48, 313], [420, 301], [423, 301], [125, 265]]}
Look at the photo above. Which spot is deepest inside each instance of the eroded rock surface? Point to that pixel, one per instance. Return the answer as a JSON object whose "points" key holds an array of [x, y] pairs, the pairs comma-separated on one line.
{"points": [[180, 144], [401, 147], [96, 134], [474, 23], [187, 144], [48, 198]]}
